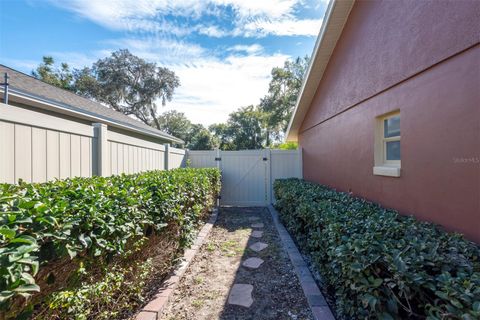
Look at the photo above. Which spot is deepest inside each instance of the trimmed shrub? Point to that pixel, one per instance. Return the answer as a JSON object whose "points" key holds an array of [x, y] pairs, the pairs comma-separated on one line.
{"points": [[377, 263], [77, 229]]}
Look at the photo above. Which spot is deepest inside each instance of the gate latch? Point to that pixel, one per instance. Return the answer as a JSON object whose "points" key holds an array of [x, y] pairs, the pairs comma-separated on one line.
{"points": [[218, 159], [265, 159]]}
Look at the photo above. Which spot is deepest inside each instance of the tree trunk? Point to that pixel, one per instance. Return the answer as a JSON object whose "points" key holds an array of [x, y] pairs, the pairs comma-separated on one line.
{"points": [[155, 120]]}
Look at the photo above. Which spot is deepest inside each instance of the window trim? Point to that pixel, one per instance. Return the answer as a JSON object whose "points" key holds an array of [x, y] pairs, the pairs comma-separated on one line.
{"points": [[382, 166]]}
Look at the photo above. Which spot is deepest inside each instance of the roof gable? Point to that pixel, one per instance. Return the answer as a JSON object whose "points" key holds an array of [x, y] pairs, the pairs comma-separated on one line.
{"points": [[334, 21]]}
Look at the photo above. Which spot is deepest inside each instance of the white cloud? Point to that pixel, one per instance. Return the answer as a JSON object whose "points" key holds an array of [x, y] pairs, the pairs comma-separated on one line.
{"points": [[126, 14], [76, 59], [26, 66], [289, 27], [212, 31], [267, 8], [212, 88], [251, 17], [251, 49], [214, 81], [164, 51], [112, 13]]}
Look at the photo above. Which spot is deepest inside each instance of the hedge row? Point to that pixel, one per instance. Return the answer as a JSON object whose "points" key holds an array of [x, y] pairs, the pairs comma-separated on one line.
{"points": [[99, 217], [377, 263]]}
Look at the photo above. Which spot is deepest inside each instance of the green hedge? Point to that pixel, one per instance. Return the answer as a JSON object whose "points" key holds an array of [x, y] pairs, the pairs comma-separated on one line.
{"points": [[377, 263], [98, 217]]}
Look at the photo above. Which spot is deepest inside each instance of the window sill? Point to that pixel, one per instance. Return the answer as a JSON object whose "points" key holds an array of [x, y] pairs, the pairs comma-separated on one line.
{"points": [[386, 171]]}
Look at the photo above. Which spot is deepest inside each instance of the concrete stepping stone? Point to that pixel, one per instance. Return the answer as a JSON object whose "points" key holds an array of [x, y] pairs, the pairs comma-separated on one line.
{"points": [[258, 246], [253, 263], [257, 225], [257, 234], [241, 295], [253, 218]]}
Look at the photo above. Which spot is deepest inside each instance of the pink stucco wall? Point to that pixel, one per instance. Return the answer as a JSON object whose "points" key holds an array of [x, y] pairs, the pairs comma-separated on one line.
{"points": [[421, 57]]}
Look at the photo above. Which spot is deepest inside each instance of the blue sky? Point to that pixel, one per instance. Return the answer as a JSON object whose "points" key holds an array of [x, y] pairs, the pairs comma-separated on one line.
{"points": [[222, 50]]}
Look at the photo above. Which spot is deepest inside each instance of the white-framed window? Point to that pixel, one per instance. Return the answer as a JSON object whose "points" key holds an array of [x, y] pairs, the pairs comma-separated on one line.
{"points": [[388, 145]]}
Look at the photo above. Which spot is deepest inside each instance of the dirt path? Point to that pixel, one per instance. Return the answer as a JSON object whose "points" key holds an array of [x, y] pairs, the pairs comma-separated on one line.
{"points": [[204, 290]]}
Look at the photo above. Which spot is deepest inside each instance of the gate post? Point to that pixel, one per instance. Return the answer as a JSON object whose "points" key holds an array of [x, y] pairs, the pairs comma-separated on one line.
{"points": [[267, 154]]}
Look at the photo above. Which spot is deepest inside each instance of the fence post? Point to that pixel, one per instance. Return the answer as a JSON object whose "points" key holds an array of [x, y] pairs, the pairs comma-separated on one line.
{"points": [[186, 159], [218, 156], [100, 131], [167, 156]]}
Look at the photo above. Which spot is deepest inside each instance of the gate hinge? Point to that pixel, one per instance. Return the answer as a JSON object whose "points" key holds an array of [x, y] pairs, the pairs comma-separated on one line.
{"points": [[219, 197], [218, 159]]}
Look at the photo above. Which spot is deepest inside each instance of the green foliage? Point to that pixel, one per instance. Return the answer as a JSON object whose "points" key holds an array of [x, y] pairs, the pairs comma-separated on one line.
{"points": [[122, 81], [246, 128], [290, 145], [283, 92], [176, 124], [195, 136], [60, 77], [104, 299], [378, 263], [256, 127], [200, 138], [130, 84], [223, 136], [96, 217]]}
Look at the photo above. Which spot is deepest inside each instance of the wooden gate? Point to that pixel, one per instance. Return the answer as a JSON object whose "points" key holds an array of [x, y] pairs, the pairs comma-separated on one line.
{"points": [[248, 175]]}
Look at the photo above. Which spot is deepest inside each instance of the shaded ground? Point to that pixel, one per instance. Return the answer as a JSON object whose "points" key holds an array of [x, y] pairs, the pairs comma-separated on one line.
{"points": [[203, 291]]}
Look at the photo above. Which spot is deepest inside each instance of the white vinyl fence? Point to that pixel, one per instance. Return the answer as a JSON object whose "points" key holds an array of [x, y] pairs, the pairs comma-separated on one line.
{"points": [[248, 175], [38, 147]]}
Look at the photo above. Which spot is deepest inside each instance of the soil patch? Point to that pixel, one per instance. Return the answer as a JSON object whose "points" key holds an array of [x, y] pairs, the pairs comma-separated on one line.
{"points": [[203, 291]]}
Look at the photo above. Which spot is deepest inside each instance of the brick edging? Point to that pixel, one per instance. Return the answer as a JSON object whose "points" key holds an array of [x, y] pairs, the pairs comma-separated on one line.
{"points": [[153, 309], [315, 298]]}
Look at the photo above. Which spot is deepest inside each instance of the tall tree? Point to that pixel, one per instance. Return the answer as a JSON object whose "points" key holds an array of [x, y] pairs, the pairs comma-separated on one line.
{"points": [[282, 95], [128, 84], [200, 138], [85, 83], [196, 136], [176, 124], [122, 81], [61, 77], [222, 134], [247, 128]]}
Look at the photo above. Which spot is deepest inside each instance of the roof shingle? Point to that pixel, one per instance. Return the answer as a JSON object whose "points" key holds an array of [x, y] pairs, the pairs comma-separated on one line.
{"points": [[35, 87]]}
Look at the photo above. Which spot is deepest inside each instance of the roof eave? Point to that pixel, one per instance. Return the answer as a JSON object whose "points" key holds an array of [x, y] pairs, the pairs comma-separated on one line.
{"points": [[79, 113], [335, 18]]}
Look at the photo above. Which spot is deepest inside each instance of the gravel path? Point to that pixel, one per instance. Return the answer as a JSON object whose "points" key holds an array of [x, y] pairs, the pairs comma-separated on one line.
{"points": [[203, 292]]}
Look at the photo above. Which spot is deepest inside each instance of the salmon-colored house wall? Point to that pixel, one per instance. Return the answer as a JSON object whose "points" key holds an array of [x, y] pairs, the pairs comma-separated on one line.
{"points": [[423, 58]]}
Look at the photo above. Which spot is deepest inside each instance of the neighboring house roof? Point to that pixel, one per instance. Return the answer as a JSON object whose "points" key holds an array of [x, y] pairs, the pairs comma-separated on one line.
{"points": [[23, 85], [335, 18]]}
